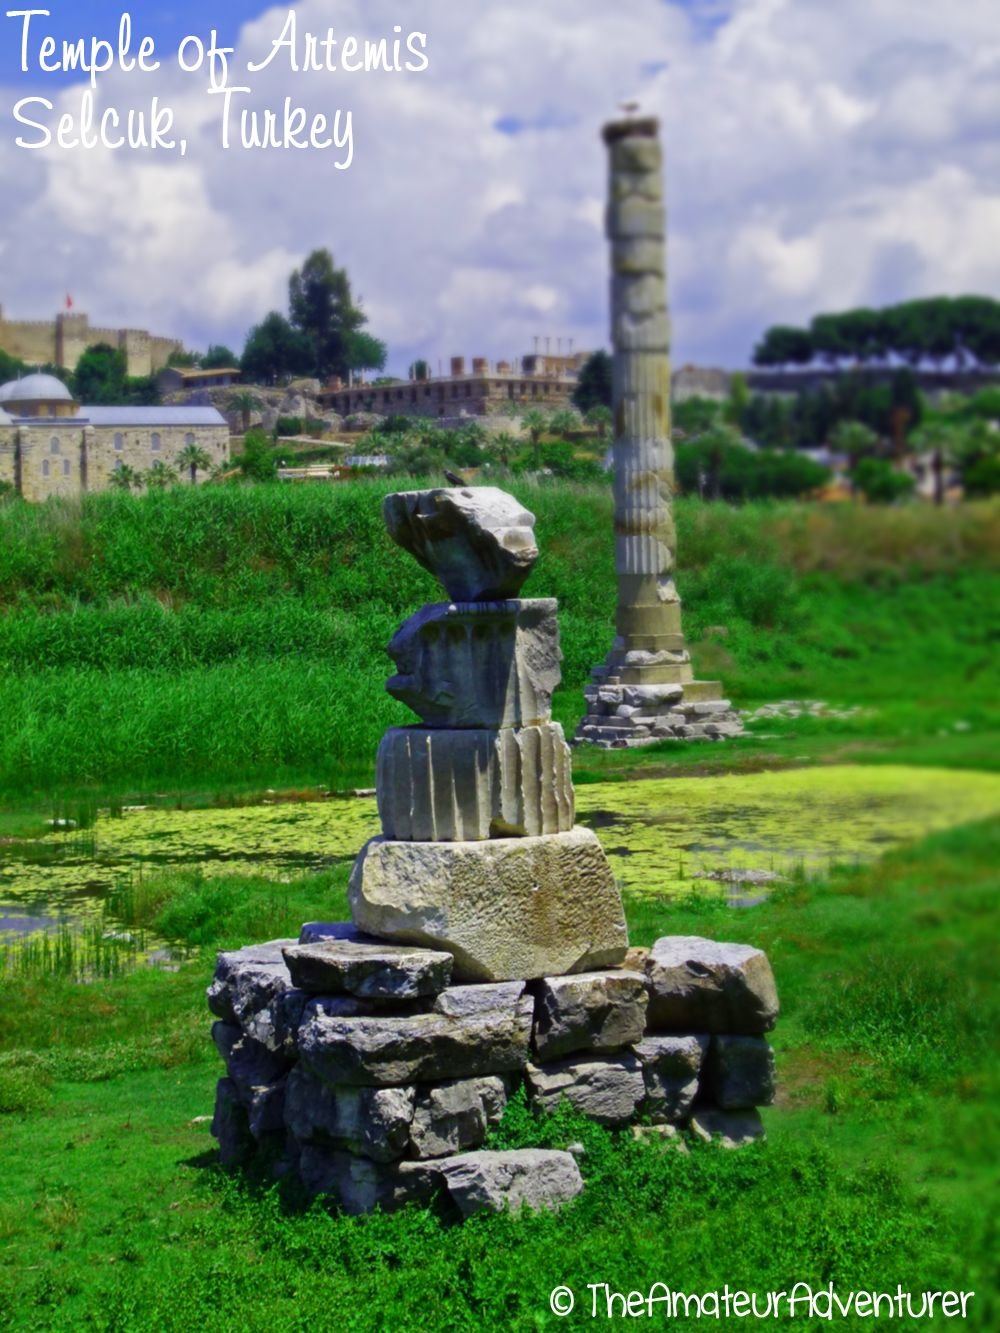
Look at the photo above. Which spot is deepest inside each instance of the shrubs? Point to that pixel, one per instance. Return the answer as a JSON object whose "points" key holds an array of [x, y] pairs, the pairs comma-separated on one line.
{"points": [[879, 482]]}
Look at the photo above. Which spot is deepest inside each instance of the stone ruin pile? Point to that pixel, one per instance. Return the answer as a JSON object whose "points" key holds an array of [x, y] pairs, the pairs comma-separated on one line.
{"points": [[488, 949]]}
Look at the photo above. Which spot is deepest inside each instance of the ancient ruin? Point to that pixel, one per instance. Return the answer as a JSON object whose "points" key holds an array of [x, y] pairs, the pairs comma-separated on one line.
{"points": [[488, 948], [645, 691]]}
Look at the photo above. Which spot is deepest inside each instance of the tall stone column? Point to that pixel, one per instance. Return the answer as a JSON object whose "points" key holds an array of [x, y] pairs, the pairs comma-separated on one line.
{"points": [[646, 690]]}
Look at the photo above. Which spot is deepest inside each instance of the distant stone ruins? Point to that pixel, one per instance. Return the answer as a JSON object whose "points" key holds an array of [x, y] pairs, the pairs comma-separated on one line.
{"points": [[645, 691], [540, 380], [488, 948], [51, 445], [63, 340]]}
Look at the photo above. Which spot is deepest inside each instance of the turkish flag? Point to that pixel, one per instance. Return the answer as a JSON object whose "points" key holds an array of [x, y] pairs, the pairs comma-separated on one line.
{"points": [[69, 301]]}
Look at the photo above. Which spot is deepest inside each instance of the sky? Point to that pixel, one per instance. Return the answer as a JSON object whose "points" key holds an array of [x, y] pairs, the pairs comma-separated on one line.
{"points": [[820, 155]]}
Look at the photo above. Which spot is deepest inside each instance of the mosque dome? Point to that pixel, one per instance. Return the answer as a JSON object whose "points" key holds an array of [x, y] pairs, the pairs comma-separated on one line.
{"points": [[35, 389]]}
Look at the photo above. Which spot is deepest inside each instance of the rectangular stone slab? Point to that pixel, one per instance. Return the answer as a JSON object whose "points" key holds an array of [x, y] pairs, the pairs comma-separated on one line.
{"points": [[399, 1049], [370, 970], [591, 1011], [509, 908]]}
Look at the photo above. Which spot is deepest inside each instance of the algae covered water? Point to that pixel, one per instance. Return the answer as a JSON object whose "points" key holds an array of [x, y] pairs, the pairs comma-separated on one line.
{"points": [[737, 832]]}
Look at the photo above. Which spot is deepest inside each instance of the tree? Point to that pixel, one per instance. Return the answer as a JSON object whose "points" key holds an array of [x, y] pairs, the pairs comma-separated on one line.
{"points": [[246, 403], [783, 345], [600, 418], [181, 360], [259, 460], [160, 475], [564, 422], [100, 375], [364, 352], [219, 357], [193, 457], [855, 439], [503, 445], [322, 308], [275, 351], [595, 384], [879, 481], [738, 400], [536, 422], [125, 478]]}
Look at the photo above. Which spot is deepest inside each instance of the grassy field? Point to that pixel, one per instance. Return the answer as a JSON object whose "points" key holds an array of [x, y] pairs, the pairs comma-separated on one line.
{"points": [[214, 642], [881, 1165], [222, 638]]}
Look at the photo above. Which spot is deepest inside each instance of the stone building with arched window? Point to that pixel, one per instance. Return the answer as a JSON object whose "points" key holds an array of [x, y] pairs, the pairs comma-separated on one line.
{"points": [[52, 445]]}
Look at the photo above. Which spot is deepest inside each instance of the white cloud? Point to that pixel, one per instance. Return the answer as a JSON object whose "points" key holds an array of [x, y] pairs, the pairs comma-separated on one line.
{"points": [[818, 155]]}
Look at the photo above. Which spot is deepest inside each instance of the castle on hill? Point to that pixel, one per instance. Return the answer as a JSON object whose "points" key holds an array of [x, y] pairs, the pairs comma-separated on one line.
{"points": [[63, 340]]}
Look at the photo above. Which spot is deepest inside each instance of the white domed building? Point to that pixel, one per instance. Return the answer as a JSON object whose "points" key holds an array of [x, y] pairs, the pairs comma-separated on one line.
{"points": [[52, 445]]}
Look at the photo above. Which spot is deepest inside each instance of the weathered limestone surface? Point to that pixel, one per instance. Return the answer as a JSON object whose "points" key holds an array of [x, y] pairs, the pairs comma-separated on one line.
{"points": [[478, 664], [230, 1125], [648, 673], [733, 1129], [437, 785], [609, 1089], [697, 985], [508, 908], [359, 1184], [371, 970], [534, 1178], [592, 1011], [454, 1117], [741, 1072], [671, 1067], [369, 1122], [402, 1049], [478, 541]]}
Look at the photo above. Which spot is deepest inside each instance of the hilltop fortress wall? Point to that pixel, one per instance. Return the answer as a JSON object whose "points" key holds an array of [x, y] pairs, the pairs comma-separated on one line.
{"points": [[63, 340]]}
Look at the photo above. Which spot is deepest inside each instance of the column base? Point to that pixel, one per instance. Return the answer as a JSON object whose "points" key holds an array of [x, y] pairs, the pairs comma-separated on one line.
{"points": [[622, 714]]}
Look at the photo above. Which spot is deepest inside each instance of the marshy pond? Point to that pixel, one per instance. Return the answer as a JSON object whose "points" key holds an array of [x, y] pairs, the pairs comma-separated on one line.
{"points": [[733, 834]]}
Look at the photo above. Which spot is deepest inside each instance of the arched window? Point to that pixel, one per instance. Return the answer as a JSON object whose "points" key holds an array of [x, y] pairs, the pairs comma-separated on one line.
{"points": [[65, 467], [45, 467], [54, 444], [119, 442], [154, 442]]}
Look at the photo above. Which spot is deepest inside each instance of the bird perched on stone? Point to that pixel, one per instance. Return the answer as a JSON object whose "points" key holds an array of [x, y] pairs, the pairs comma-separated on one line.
{"points": [[453, 479]]}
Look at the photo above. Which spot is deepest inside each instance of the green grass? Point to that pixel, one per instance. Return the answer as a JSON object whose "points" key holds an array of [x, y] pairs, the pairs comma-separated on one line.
{"points": [[220, 638], [880, 1166]]}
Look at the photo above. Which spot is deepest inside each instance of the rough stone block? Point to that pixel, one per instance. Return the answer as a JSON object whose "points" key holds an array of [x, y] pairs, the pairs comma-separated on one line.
{"points": [[741, 1072], [395, 1050], [670, 1068], [697, 985], [510, 908], [454, 1117], [359, 1184], [230, 1125], [609, 1090], [590, 1011], [368, 1122], [370, 970], [246, 980], [477, 664], [448, 785], [733, 1129], [249, 1064], [478, 541], [534, 1178]]}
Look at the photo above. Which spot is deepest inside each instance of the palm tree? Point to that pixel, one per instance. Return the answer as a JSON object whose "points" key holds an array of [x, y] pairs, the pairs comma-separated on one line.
{"points": [[125, 478], [160, 475], [600, 418], [536, 422], [503, 445], [193, 457], [564, 422], [244, 402]]}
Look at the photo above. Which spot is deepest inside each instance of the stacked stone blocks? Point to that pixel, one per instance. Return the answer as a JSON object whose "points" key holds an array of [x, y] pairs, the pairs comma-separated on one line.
{"points": [[488, 949], [369, 1073]]}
